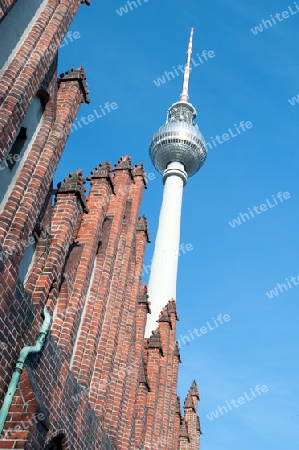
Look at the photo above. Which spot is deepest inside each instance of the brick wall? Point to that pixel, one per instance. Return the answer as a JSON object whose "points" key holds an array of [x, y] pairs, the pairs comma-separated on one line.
{"points": [[189, 436], [26, 72]]}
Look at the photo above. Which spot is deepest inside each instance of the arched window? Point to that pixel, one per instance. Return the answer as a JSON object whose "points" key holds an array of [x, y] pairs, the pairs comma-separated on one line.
{"points": [[56, 444], [13, 161], [15, 27], [27, 260]]}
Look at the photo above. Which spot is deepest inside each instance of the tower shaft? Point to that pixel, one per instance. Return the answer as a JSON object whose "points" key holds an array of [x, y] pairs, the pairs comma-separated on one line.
{"points": [[177, 151], [163, 276]]}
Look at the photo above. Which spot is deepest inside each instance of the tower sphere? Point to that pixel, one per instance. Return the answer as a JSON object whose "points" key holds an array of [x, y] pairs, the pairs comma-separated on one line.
{"points": [[179, 140]]}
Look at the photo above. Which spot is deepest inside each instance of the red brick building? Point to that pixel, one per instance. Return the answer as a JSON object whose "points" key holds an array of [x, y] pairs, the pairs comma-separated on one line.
{"points": [[89, 379]]}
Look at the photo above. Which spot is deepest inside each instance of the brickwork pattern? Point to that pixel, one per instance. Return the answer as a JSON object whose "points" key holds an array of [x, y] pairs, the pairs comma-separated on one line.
{"points": [[190, 431]]}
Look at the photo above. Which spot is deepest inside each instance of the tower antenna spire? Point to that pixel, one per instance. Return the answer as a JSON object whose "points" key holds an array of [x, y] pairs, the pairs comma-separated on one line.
{"points": [[184, 95]]}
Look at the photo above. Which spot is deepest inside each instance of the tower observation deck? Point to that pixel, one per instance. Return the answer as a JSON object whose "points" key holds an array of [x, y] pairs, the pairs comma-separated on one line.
{"points": [[178, 151]]}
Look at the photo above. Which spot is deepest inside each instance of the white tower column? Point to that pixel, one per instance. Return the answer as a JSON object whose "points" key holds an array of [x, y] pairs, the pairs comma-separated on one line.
{"points": [[178, 151], [163, 275]]}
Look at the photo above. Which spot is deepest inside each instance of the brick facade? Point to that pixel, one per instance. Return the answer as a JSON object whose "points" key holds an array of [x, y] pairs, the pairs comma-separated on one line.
{"points": [[96, 383], [5, 6]]}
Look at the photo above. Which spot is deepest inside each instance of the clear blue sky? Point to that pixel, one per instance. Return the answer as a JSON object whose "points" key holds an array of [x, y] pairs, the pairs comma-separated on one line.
{"points": [[229, 269]]}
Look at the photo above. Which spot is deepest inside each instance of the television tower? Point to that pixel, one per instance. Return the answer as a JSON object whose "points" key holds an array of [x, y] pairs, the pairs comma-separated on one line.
{"points": [[178, 151]]}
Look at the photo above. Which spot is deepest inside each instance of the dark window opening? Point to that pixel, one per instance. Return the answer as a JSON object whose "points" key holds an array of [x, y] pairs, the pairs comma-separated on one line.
{"points": [[55, 445], [27, 259], [15, 151]]}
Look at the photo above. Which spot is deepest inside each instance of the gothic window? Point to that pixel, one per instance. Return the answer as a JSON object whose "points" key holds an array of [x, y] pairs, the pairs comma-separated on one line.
{"points": [[16, 149], [27, 260], [56, 444], [15, 27], [13, 161]]}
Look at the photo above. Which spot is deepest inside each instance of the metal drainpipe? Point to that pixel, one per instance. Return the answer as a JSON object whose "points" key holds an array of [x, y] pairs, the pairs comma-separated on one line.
{"points": [[12, 387]]}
